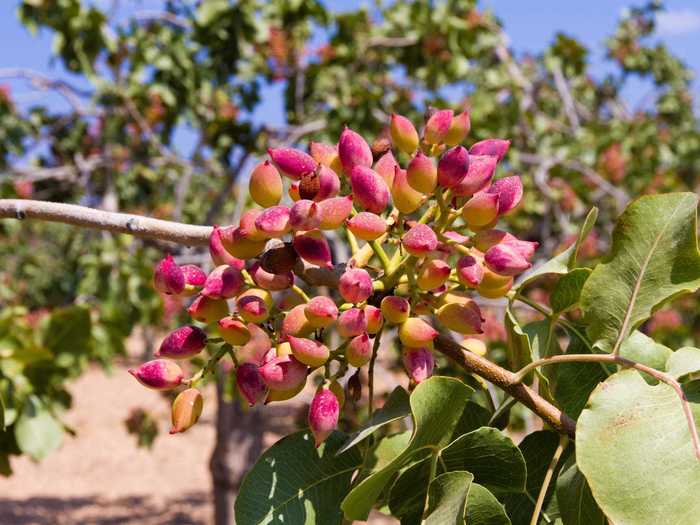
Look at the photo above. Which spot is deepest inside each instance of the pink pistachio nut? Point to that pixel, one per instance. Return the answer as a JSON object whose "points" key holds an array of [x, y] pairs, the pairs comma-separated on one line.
{"points": [[419, 240], [355, 285], [369, 189], [313, 248], [183, 343], [351, 323], [453, 167], [438, 126], [492, 147], [224, 282], [250, 383], [419, 363], [158, 374], [292, 162], [168, 277], [353, 151], [323, 415]]}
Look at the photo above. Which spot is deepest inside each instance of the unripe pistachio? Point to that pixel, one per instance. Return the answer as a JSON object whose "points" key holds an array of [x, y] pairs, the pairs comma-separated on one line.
{"points": [[207, 310], [492, 147], [493, 280], [481, 209], [283, 395], [248, 227], [233, 331], [355, 285], [484, 239], [283, 349], [292, 162], [386, 166], [327, 155], [395, 309], [265, 186], [168, 277], [257, 347], [274, 222], [309, 351], [475, 345], [438, 126], [509, 191], [495, 293], [432, 274], [219, 254], [338, 390], [359, 350], [279, 258], [459, 128], [504, 259], [304, 215], [254, 305], [321, 311], [250, 383], [194, 278], [283, 373], [415, 332], [456, 237], [323, 415], [453, 167], [369, 189], [352, 322], [186, 410], [403, 134], [470, 271], [313, 247], [295, 323], [158, 374], [236, 243], [524, 248], [479, 175], [424, 307], [374, 318], [462, 318], [405, 198], [419, 240], [367, 226], [293, 191], [419, 363], [273, 282], [353, 151], [421, 173], [224, 282], [183, 343], [457, 297], [333, 212]]}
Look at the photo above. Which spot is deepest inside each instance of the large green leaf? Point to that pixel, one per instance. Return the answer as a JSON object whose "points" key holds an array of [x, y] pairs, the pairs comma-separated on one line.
{"points": [[67, 334], [294, 482], [576, 381], [567, 291], [528, 343], [576, 503], [396, 407], [484, 509], [2, 414], [37, 432], [654, 258], [519, 351], [436, 407], [643, 349], [447, 498], [683, 362], [633, 445]]}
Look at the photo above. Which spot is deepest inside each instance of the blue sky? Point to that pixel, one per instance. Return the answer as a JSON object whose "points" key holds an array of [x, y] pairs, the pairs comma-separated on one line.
{"points": [[530, 25]]}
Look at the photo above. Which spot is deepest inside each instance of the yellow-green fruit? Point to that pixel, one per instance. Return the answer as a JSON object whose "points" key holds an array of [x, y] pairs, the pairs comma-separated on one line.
{"points": [[254, 305], [395, 309], [493, 281], [265, 185], [415, 332], [284, 395], [462, 318], [403, 134], [495, 293], [295, 323], [405, 198], [481, 210], [432, 274], [187, 408], [233, 331], [475, 345], [283, 349]]}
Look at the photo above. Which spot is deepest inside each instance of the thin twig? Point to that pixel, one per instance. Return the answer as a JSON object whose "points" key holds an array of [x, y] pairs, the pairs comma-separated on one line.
{"points": [[370, 371], [563, 441]]}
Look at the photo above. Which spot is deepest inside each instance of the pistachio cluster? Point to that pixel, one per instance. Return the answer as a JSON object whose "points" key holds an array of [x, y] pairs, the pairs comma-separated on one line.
{"points": [[423, 245]]}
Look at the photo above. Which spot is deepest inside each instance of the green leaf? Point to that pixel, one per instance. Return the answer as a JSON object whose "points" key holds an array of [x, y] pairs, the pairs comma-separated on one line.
{"points": [[294, 482], [519, 351], [566, 260], [388, 449], [576, 381], [68, 331], [484, 509], [436, 407], [683, 362], [2, 414], [643, 349], [654, 258], [576, 503], [397, 406], [634, 447], [37, 432], [567, 291], [526, 344], [447, 498]]}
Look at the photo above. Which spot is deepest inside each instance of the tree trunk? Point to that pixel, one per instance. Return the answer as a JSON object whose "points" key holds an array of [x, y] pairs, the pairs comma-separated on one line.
{"points": [[239, 442]]}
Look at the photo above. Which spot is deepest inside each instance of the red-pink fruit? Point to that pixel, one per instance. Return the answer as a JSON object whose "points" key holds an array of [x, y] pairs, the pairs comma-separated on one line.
{"points": [[395, 309], [456, 237], [415, 332], [369, 189], [250, 383], [321, 311], [283, 373], [438, 126], [239, 244], [158, 374], [405, 198], [274, 222], [168, 277], [257, 347], [419, 240], [292, 162], [183, 343], [524, 248], [273, 282], [403, 134], [374, 317], [328, 184], [352, 322], [334, 211], [481, 209], [385, 167], [219, 254], [432, 274], [295, 323], [304, 215], [421, 173], [492, 147], [309, 351], [453, 167], [323, 415], [186, 410], [265, 185], [353, 151], [509, 191], [484, 239], [355, 285], [233, 331], [367, 226], [504, 259], [224, 282], [470, 271], [254, 305], [207, 310], [313, 247], [248, 227], [194, 276], [458, 129], [419, 363], [464, 317], [359, 350], [479, 175], [327, 155]]}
